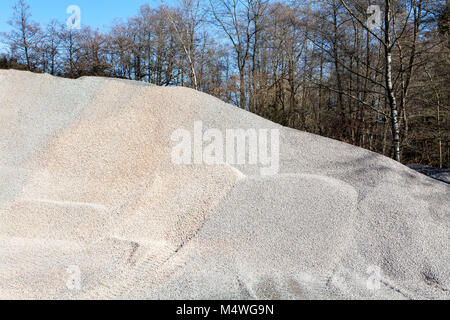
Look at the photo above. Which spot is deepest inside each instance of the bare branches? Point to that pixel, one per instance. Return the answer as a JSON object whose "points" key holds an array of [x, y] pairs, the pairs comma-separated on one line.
{"points": [[186, 35], [313, 66], [355, 98], [362, 23]]}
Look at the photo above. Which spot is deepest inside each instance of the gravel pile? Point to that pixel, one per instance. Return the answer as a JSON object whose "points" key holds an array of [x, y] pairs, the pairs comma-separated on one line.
{"points": [[91, 205]]}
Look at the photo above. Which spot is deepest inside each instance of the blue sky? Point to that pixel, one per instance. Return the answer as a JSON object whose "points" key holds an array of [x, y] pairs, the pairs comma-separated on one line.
{"points": [[95, 13]]}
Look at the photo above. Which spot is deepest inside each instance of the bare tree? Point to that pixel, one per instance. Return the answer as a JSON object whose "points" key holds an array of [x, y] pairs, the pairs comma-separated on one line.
{"points": [[70, 50], [234, 17], [387, 41], [186, 31], [310, 65], [23, 37], [50, 47]]}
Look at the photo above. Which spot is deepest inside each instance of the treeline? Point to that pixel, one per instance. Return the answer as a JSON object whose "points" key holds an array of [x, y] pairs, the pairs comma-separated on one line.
{"points": [[312, 65]]}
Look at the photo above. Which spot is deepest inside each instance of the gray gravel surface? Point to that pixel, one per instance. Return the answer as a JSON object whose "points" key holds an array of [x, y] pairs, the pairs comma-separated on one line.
{"points": [[86, 180]]}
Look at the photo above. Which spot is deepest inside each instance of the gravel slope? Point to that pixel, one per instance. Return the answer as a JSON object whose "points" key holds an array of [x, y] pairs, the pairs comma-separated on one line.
{"points": [[86, 180]]}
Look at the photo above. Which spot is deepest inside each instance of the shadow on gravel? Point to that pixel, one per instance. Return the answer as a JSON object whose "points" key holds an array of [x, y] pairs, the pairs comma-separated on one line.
{"points": [[432, 172]]}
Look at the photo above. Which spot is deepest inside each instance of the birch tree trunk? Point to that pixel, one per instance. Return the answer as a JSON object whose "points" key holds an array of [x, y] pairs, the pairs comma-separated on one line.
{"points": [[389, 86]]}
